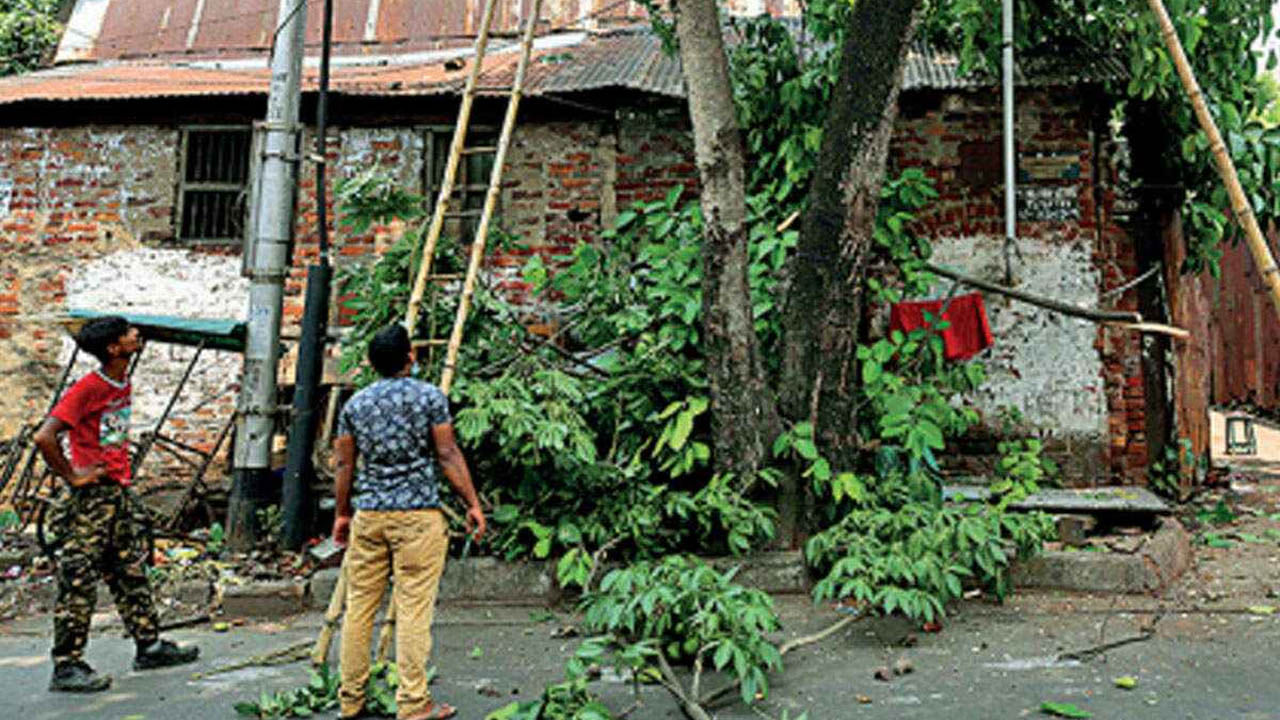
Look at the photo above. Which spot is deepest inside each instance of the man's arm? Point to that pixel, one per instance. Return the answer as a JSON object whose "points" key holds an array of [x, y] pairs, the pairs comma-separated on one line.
{"points": [[455, 468], [344, 460], [46, 438]]}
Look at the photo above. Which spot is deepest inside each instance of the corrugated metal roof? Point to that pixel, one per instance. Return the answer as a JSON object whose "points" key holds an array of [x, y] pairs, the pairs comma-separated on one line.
{"points": [[932, 68], [627, 61], [572, 63], [134, 29]]}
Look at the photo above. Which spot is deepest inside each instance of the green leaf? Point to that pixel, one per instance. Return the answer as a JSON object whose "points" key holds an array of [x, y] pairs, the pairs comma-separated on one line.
{"points": [[1066, 710], [247, 709], [1126, 682], [684, 426], [806, 449]]}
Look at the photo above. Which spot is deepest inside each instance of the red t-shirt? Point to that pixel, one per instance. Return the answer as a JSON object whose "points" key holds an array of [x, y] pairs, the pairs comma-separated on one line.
{"points": [[98, 410]]}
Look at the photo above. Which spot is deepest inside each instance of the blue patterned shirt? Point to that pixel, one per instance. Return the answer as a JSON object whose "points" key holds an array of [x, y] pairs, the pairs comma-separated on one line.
{"points": [[391, 422]]}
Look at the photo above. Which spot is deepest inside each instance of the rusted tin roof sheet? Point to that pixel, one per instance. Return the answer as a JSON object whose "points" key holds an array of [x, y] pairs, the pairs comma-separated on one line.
{"points": [[622, 60], [632, 61], [120, 29], [564, 63]]}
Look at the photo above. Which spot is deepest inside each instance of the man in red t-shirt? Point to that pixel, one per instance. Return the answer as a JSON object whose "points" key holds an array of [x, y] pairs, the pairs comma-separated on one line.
{"points": [[102, 526]]}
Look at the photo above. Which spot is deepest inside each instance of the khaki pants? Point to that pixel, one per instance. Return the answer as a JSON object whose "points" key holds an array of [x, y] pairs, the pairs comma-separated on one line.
{"points": [[412, 544]]}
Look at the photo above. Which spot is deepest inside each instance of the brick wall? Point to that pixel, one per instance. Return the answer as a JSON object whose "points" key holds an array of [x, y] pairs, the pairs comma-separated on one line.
{"points": [[1077, 385], [91, 221], [85, 205]]}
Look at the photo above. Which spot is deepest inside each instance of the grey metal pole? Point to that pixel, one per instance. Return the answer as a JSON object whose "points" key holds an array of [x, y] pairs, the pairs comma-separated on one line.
{"points": [[268, 263], [1010, 159]]}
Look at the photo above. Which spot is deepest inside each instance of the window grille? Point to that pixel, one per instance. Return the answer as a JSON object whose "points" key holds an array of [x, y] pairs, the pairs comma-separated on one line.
{"points": [[472, 181], [213, 183]]}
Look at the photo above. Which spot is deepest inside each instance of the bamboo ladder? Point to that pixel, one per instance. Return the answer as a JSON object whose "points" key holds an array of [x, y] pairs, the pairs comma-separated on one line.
{"points": [[423, 277]]}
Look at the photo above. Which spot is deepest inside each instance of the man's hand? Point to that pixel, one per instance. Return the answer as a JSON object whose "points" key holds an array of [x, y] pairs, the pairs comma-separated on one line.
{"points": [[475, 521], [84, 477], [341, 530]]}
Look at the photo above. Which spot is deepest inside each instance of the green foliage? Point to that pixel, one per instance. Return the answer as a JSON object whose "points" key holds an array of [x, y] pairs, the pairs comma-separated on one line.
{"points": [[1066, 710], [1218, 37], [8, 519], [1219, 514], [690, 612], [319, 695], [217, 540], [900, 548], [29, 31], [781, 91], [270, 523], [1166, 475], [604, 438], [570, 699], [1020, 470]]}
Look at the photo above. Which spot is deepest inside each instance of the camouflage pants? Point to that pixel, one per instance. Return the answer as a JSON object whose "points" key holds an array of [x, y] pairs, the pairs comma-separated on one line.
{"points": [[100, 534]]}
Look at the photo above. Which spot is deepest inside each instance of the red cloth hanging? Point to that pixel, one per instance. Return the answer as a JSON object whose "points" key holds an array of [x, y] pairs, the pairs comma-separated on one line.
{"points": [[968, 332]]}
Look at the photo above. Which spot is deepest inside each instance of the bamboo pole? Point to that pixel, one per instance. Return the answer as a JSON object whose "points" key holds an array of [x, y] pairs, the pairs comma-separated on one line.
{"points": [[1226, 168], [332, 616]]}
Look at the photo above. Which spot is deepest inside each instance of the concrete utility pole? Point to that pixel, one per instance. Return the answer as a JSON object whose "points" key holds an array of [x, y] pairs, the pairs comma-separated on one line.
{"points": [[267, 264]]}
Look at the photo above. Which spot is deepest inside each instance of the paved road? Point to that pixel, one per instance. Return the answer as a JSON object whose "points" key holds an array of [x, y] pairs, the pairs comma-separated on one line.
{"points": [[989, 662]]}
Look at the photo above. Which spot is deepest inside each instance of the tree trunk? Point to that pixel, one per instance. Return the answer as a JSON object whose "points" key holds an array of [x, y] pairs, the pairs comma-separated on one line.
{"points": [[823, 310], [743, 415]]}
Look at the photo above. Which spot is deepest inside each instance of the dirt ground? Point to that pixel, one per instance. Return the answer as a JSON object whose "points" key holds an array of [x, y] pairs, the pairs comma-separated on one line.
{"points": [[1237, 527]]}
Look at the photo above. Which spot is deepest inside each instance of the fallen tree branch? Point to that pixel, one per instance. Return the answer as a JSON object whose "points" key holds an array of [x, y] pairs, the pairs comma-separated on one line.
{"points": [[1090, 653], [791, 645], [284, 656], [691, 708], [1042, 302], [819, 636]]}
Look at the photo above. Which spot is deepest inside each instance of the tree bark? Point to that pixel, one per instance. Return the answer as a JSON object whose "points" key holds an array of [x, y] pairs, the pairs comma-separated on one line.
{"points": [[743, 412], [823, 310]]}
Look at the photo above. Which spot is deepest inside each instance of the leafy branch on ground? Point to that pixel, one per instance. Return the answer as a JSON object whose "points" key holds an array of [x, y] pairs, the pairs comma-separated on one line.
{"points": [[320, 694]]}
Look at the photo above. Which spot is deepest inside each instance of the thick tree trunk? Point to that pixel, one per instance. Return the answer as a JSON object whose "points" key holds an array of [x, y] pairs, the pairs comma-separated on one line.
{"points": [[824, 305], [743, 411]]}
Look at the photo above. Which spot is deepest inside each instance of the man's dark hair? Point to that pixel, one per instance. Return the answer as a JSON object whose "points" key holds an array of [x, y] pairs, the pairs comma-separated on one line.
{"points": [[99, 333], [389, 350]]}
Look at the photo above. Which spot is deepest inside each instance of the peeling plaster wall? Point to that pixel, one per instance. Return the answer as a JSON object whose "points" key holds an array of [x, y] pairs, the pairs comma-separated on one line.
{"points": [[180, 283], [1043, 363]]}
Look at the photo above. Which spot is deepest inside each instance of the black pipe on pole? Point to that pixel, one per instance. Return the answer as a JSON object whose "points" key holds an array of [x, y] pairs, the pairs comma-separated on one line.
{"points": [[296, 499]]}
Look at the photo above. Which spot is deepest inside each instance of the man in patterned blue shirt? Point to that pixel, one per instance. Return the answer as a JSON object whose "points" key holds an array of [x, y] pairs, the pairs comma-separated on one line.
{"points": [[400, 430]]}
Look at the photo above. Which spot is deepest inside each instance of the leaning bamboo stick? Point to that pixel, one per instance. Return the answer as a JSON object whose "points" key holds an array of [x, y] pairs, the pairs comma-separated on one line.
{"points": [[1226, 168], [388, 627], [332, 616]]}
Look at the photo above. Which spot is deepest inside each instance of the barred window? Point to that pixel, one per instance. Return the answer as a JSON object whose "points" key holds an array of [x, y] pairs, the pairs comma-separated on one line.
{"points": [[213, 183], [471, 183]]}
